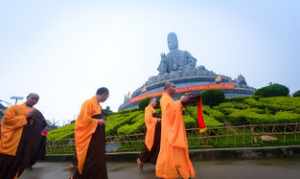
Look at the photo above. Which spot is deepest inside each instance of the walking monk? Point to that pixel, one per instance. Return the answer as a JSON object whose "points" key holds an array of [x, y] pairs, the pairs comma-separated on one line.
{"points": [[173, 160], [16, 140], [152, 137], [90, 139]]}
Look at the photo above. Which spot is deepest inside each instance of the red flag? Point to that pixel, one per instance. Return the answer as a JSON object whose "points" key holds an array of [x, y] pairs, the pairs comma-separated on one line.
{"points": [[44, 133], [201, 122]]}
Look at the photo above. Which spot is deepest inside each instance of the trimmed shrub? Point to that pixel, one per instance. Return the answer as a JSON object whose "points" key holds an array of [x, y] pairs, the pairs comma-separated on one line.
{"points": [[249, 117], [62, 133], [190, 122], [143, 104], [273, 90], [116, 121], [211, 121], [287, 116], [131, 128], [297, 94], [218, 115]]}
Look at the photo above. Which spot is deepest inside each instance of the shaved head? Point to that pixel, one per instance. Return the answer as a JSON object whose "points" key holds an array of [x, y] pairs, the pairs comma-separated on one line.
{"points": [[32, 99], [32, 95], [168, 84], [170, 88], [153, 102], [102, 94]]}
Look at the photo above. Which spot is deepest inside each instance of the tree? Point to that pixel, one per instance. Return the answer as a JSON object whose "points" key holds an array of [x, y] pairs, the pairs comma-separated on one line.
{"points": [[297, 94], [143, 104], [213, 97], [52, 124], [273, 90]]}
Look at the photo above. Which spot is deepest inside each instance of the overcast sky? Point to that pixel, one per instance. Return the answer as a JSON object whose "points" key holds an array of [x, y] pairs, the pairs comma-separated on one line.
{"points": [[65, 50]]}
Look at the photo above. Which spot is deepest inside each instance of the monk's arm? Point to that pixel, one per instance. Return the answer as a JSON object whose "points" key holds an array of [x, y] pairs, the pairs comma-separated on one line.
{"points": [[13, 120], [177, 130], [149, 120]]}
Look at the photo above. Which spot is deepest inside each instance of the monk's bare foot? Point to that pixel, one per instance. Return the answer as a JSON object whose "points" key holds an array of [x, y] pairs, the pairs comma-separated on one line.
{"points": [[139, 164]]}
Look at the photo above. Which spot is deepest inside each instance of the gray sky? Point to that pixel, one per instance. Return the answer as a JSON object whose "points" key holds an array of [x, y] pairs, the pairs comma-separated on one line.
{"points": [[65, 50]]}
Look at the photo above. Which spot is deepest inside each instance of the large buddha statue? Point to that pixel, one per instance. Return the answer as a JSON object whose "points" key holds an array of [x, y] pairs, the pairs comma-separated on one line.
{"points": [[175, 60]]}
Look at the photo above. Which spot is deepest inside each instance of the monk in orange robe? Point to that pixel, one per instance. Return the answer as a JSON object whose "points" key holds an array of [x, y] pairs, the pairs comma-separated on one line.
{"points": [[15, 138], [173, 160], [90, 139], [152, 137]]}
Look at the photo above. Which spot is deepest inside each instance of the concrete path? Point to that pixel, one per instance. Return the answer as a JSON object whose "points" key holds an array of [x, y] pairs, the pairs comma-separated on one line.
{"points": [[246, 169]]}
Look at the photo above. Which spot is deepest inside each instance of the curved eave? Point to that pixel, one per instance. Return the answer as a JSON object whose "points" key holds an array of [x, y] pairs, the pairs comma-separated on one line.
{"points": [[211, 86]]}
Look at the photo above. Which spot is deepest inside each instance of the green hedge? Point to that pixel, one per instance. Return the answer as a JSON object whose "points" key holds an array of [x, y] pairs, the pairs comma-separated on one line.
{"points": [[62, 133], [250, 110], [135, 126], [118, 120]]}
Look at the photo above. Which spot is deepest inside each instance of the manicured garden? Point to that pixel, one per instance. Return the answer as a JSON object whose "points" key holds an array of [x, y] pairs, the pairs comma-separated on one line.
{"points": [[270, 117]]}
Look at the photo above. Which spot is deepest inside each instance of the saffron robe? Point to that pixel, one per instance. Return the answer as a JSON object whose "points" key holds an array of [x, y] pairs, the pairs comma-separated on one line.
{"points": [[19, 140], [90, 142], [152, 137], [173, 160]]}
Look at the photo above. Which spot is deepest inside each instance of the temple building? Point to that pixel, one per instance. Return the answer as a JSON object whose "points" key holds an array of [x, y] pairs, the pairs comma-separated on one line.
{"points": [[179, 67]]}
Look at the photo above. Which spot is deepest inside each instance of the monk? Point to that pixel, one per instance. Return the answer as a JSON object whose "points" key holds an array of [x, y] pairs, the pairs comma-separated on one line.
{"points": [[173, 160], [152, 137], [38, 133], [90, 139], [17, 138]]}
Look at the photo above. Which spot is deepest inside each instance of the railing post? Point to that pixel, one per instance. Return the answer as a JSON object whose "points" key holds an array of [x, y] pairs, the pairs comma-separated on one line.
{"points": [[284, 133], [295, 132]]}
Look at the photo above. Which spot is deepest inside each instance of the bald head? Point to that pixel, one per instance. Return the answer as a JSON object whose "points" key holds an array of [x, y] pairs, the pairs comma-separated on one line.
{"points": [[102, 94], [32, 99], [168, 84], [32, 95], [153, 102], [170, 88]]}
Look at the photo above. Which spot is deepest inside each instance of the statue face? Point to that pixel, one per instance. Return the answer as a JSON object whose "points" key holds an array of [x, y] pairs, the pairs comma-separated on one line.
{"points": [[172, 41]]}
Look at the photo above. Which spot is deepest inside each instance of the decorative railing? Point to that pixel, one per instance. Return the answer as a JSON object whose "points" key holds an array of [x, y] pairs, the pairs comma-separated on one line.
{"points": [[219, 137]]}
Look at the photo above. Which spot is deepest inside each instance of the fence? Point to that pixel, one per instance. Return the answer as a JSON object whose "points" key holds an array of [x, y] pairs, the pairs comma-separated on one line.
{"points": [[227, 136]]}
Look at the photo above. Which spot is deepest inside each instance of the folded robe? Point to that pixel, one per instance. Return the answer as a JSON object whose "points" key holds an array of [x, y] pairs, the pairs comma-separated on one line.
{"points": [[90, 142], [173, 160]]}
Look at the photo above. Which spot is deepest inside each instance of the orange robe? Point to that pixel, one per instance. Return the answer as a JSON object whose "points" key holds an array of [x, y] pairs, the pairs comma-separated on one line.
{"points": [[150, 122], [173, 159], [12, 125], [85, 126]]}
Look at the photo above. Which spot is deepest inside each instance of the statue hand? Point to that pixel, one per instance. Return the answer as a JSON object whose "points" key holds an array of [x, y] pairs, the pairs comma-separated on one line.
{"points": [[163, 55]]}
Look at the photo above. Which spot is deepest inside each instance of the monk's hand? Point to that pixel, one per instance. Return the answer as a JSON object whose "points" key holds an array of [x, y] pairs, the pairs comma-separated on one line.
{"points": [[101, 122], [158, 119], [184, 99]]}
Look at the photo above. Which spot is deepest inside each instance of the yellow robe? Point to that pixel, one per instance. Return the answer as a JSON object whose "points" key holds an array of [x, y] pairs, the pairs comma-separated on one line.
{"points": [[85, 126], [150, 123], [173, 159], [12, 124]]}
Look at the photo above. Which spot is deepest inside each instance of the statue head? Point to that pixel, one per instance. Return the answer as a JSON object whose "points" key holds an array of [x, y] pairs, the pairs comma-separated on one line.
{"points": [[172, 41]]}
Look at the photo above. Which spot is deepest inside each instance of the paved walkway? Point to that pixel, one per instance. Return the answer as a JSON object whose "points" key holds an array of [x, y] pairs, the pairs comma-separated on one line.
{"points": [[246, 169]]}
